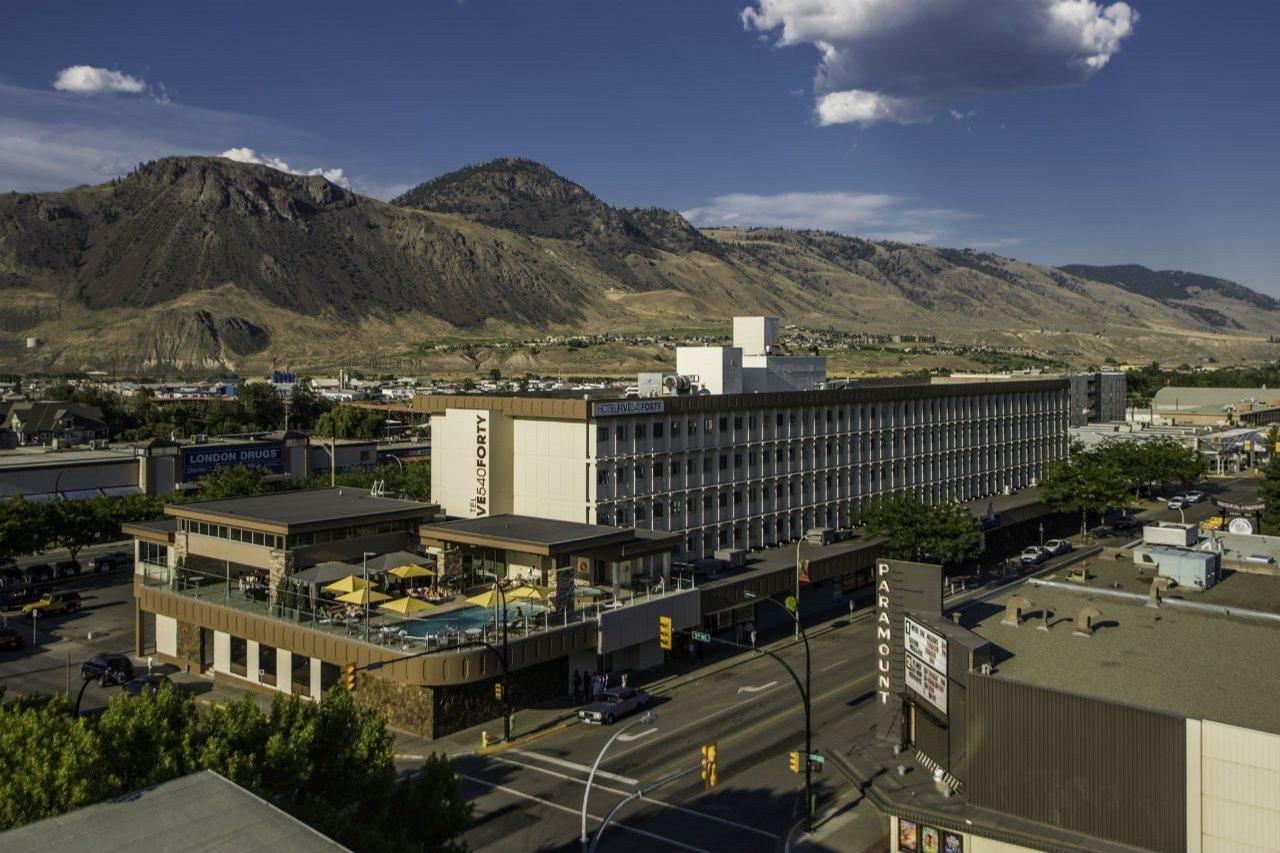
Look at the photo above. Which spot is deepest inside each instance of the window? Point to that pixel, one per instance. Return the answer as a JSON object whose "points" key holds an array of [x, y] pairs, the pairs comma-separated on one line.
{"points": [[724, 499], [752, 422], [688, 504], [640, 431], [708, 425], [639, 473], [737, 497], [737, 422], [658, 429], [659, 509], [778, 419], [602, 477], [639, 512], [602, 433], [620, 432], [675, 428], [706, 501], [724, 461], [621, 474], [675, 467], [688, 466], [724, 424], [706, 464], [657, 470]]}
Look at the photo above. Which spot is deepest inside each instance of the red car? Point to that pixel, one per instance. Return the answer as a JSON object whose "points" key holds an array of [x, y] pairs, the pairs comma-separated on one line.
{"points": [[10, 639]]}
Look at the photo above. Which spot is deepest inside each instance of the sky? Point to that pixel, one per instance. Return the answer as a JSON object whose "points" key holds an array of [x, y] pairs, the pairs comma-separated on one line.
{"points": [[1056, 131]]}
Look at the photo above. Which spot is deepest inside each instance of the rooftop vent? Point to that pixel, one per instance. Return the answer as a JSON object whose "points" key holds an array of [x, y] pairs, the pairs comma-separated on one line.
{"points": [[1085, 621], [1013, 611]]}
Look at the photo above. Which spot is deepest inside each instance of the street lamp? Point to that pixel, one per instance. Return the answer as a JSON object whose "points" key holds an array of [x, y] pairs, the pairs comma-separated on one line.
{"points": [[799, 542], [506, 692], [805, 694], [364, 563], [647, 719]]}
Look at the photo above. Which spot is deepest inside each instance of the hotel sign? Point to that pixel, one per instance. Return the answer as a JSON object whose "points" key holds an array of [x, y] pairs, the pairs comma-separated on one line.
{"points": [[628, 407], [479, 503]]}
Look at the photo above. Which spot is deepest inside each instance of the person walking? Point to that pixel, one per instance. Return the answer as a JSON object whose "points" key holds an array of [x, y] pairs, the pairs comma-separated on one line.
{"points": [[577, 685]]}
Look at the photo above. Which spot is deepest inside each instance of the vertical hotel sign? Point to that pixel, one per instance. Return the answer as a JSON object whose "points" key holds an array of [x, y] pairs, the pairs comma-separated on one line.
{"points": [[479, 503], [884, 633]]}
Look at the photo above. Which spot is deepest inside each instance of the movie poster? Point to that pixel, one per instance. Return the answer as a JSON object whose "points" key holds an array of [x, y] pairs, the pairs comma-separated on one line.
{"points": [[929, 840], [952, 842], [907, 836]]}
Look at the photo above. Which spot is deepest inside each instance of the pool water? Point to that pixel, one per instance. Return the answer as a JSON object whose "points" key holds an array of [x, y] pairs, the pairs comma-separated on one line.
{"points": [[469, 617]]}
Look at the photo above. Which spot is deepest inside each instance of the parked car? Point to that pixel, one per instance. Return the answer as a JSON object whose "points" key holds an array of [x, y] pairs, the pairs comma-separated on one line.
{"points": [[1194, 497], [107, 668], [53, 602], [110, 560], [66, 569], [1033, 555], [1126, 522], [11, 638], [11, 598], [617, 703], [1179, 502], [39, 572], [1058, 546], [145, 683]]}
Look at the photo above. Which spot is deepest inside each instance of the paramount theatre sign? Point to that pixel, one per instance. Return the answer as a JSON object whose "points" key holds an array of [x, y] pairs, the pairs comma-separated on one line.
{"points": [[479, 504], [884, 633]]}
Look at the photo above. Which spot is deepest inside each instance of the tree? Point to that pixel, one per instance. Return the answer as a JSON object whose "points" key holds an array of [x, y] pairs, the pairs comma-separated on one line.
{"points": [[22, 528], [260, 405], [73, 524], [943, 533], [351, 422], [234, 481], [306, 406], [1087, 481], [1269, 493], [150, 741]]}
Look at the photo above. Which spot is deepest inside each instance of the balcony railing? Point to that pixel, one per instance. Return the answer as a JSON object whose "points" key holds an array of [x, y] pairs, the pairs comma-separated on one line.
{"points": [[428, 631]]}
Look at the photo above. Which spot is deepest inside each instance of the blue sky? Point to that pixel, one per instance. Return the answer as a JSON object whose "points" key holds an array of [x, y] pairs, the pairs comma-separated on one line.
{"points": [[1051, 130]]}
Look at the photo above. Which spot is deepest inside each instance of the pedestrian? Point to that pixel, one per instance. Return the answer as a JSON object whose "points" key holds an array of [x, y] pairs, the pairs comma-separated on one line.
{"points": [[753, 635], [624, 679], [577, 685]]}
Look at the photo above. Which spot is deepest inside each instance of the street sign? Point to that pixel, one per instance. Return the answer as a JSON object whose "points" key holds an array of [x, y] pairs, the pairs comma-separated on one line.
{"points": [[817, 759], [700, 636]]}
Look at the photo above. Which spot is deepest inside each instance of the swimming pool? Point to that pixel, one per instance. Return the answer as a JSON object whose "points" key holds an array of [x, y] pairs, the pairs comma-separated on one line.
{"points": [[469, 617]]}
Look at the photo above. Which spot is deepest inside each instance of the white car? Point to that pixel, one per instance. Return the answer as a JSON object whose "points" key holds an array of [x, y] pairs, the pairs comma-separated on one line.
{"points": [[1194, 497], [1058, 546], [1033, 555], [1178, 502]]}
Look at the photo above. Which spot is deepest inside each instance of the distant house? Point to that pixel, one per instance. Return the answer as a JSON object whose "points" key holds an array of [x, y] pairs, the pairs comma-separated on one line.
{"points": [[44, 422]]}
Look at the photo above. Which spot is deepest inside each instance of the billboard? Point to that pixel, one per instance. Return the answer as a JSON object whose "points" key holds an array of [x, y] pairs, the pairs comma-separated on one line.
{"points": [[927, 645], [927, 682], [479, 504], [628, 407], [203, 460]]}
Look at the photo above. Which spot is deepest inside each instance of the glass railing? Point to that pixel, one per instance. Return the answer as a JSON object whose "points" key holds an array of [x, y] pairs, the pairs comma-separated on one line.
{"points": [[454, 624]]}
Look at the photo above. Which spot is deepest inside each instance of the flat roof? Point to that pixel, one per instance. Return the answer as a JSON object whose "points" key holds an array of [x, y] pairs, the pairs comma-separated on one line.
{"points": [[297, 511], [199, 812], [562, 408], [1188, 662], [527, 532], [22, 457]]}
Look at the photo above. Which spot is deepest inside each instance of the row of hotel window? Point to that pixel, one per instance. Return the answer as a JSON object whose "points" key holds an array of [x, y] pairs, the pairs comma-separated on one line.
{"points": [[297, 540], [658, 429], [603, 474]]}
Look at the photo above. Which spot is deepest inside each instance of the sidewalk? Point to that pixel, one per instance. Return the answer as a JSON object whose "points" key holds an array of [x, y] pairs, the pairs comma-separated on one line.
{"points": [[852, 826]]}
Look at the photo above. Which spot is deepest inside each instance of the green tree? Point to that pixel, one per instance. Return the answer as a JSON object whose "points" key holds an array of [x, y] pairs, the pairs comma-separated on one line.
{"points": [[260, 405], [50, 761], [234, 481], [1087, 481], [943, 533], [150, 738], [1269, 493], [306, 406], [73, 524], [22, 529], [351, 422]]}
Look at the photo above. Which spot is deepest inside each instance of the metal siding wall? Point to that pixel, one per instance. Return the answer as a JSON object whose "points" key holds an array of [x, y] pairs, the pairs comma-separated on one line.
{"points": [[1091, 766]]}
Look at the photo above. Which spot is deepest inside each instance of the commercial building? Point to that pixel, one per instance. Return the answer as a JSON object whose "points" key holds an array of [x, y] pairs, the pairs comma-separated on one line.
{"points": [[741, 471], [1094, 398], [1069, 715], [1213, 407]]}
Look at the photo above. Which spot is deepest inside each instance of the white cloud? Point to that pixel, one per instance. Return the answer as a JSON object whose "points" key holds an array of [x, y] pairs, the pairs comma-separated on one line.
{"points": [[88, 80], [908, 60], [248, 155], [873, 215]]}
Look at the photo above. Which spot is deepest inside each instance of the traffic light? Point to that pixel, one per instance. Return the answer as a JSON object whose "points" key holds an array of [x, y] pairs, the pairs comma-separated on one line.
{"points": [[349, 676], [497, 690], [793, 761], [710, 773], [664, 633]]}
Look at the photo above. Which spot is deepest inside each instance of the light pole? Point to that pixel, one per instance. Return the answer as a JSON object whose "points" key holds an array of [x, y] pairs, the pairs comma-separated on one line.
{"points": [[506, 692], [364, 563], [647, 719], [799, 542], [808, 719]]}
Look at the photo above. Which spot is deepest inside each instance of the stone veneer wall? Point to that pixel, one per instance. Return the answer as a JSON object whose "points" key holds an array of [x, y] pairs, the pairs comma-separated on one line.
{"points": [[188, 646], [434, 712]]}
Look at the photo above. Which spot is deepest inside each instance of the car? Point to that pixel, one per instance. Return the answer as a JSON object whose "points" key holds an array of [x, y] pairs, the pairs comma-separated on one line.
{"points": [[38, 572], [107, 668], [1033, 555], [11, 598], [1125, 522], [66, 569], [1194, 497], [11, 638], [1178, 502], [110, 561], [617, 703], [150, 683], [53, 602], [1058, 546]]}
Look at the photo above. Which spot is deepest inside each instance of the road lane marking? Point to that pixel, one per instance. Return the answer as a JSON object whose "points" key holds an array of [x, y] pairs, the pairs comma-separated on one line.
{"points": [[650, 800], [522, 795], [834, 665], [637, 735], [757, 688], [573, 765]]}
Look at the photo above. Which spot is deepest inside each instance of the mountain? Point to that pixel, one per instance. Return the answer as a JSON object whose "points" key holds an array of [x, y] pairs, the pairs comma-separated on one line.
{"points": [[202, 262]]}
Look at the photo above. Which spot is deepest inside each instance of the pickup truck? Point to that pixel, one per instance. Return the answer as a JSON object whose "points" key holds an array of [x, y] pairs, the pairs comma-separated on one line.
{"points": [[617, 703]]}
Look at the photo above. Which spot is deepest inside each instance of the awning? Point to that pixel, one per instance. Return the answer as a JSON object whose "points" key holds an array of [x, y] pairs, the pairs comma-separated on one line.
{"points": [[81, 494], [120, 491], [323, 573]]}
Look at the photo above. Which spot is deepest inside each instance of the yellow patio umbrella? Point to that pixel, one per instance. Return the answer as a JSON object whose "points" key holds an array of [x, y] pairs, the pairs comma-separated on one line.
{"points": [[364, 596], [538, 592], [405, 606], [350, 583], [488, 598], [411, 571]]}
